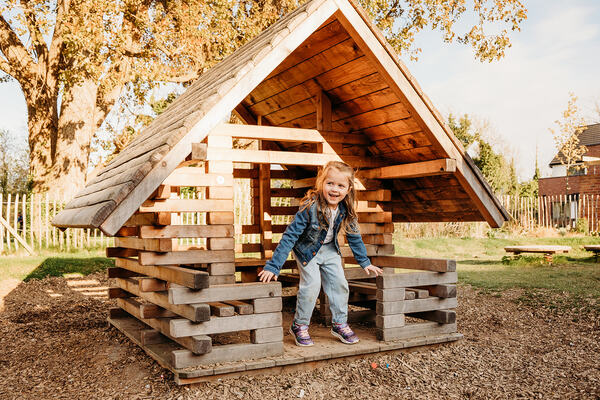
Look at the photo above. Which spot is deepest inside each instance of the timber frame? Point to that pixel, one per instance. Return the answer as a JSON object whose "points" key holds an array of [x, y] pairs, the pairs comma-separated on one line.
{"points": [[320, 84]]}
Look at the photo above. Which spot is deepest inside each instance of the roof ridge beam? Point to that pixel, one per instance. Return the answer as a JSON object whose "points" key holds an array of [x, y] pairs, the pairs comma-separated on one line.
{"points": [[412, 170]]}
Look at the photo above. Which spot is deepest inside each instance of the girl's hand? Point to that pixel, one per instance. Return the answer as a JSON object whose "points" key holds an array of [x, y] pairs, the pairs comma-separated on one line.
{"points": [[376, 270], [266, 276]]}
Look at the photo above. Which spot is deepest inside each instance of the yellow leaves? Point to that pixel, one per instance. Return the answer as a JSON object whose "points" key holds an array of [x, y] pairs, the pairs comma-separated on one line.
{"points": [[566, 136]]}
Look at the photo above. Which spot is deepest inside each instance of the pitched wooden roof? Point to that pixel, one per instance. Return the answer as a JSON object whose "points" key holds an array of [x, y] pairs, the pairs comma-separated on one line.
{"points": [[324, 45]]}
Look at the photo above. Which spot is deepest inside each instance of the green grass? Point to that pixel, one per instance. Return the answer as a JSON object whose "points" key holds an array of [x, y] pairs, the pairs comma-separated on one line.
{"points": [[571, 283], [52, 263]]}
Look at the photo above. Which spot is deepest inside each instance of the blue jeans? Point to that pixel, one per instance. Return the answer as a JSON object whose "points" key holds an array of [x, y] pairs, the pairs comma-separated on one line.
{"points": [[325, 266]]}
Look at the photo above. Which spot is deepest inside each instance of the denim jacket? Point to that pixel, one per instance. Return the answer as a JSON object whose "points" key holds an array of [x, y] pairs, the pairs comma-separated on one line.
{"points": [[305, 237]]}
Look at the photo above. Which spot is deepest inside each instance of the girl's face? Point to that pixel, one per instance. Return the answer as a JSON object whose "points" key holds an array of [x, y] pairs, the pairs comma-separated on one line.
{"points": [[335, 187]]}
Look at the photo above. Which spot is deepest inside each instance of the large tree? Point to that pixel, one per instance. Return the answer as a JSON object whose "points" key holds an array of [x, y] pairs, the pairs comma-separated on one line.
{"points": [[75, 58]]}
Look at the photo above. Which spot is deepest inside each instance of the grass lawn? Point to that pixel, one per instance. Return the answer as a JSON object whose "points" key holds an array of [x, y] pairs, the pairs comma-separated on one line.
{"points": [[571, 282], [53, 263]]}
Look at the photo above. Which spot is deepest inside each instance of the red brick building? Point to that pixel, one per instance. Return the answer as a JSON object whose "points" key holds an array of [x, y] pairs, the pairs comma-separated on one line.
{"points": [[583, 196]]}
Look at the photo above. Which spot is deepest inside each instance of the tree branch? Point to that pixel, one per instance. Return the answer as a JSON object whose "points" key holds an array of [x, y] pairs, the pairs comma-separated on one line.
{"points": [[38, 39], [21, 63]]}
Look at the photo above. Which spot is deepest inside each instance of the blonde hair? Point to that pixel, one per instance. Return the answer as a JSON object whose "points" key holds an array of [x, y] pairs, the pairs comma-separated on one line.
{"points": [[315, 194]]}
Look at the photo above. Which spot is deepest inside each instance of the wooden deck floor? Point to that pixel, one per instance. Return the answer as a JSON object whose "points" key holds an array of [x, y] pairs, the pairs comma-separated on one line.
{"points": [[326, 348]]}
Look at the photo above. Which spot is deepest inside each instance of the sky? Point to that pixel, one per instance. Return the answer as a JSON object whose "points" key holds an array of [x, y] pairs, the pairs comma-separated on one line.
{"points": [[556, 52]]}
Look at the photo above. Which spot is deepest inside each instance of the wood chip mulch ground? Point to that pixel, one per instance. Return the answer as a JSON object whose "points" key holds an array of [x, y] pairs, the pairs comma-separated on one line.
{"points": [[55, 343]]}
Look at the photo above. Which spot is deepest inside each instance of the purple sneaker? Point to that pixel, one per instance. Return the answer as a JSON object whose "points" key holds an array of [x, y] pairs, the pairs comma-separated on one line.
{"points": [[301, 335], [344, 333]]}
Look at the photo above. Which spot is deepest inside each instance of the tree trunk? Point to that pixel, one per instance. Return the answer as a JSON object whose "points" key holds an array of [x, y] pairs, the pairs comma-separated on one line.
{"points": [[76, 128], [42, 125]]}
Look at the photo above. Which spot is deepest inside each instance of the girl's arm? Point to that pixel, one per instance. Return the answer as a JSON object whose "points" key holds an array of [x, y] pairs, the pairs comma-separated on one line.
{"points": [[360, 253], [287, 242]]}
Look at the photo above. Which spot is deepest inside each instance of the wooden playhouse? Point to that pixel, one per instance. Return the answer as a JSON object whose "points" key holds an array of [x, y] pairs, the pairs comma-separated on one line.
{"points": [[320, 84]]}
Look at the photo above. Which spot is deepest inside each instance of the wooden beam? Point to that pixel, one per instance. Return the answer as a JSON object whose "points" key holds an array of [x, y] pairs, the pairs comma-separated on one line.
{"points": [[289, 158], [412, 170]]}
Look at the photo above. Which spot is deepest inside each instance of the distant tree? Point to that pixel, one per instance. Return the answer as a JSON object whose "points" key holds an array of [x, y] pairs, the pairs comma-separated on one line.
{"points": [[462, 129], [498, 172], [74, 59], [14, 165], [566, 137]]}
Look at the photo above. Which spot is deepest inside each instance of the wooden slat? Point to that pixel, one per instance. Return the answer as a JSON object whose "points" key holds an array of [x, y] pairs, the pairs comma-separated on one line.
{"points": [[186, 257], [183, 327], [186, 205], [144, 244], [170, 273], [193, 312], [413, 170], [415, 330], [186, 231], [288, 158], [196, 177], [426, 264], [412, 279], [200, 344], [238, 291]]}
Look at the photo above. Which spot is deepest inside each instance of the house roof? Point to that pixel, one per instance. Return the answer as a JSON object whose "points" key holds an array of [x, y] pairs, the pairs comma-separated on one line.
{"points": [[324, 45], [590, 136]]}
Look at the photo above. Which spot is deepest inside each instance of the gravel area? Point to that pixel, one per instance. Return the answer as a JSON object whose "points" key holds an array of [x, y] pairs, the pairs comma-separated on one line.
{"points": [[55, 343]]}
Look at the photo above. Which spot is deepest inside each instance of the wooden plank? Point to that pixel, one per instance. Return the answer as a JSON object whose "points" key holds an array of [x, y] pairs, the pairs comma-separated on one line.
{"points": [[152, 285], [186, 205], [226, 353], [412, 170], [389, 307], [193, 312], [115, 272], [221, 280], [144, 244], [440, 316], [197, 177], [170, 273], [288, 158], [241, 307], [419, 293], [221, 309], [267, 305], [238, 291], [120, 252], [199, 344], [186, 231], [545, 249], [186, 257], [152, 336], [183, 327], [149, 310], [389, 321], [444, 291], [128, 231], [429, 304], [413, 279], [267, 335], [415, 330], [118, 293], [391, 294]]}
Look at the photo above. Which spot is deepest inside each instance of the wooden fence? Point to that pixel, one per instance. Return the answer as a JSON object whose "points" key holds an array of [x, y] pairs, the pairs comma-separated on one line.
{"points": [[30, 215], [561, 211]]}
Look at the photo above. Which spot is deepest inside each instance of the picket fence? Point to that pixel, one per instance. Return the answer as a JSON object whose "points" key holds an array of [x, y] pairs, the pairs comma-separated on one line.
{"points": [[30, 215]]}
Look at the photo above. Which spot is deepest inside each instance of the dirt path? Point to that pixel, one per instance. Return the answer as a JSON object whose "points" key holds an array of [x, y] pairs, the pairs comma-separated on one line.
{"points": [[55, 343]]}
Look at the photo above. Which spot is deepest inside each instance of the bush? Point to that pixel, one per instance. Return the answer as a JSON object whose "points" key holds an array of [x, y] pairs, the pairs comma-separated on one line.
{"points": [[582, 226]]}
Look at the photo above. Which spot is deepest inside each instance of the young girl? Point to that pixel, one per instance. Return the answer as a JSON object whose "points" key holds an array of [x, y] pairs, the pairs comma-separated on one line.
{"points": [[312, 236]]}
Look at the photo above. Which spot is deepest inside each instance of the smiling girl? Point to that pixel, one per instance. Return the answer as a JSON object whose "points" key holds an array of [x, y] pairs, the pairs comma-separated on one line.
{"points": [[312, 235]]}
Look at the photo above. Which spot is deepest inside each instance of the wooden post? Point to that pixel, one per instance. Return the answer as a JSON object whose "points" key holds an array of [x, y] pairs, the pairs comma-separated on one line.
{"points": [[8, 203], [224, 192], [1, 227]]}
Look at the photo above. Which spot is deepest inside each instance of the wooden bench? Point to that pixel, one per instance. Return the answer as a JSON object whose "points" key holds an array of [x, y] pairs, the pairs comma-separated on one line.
{"points": [[547, 250], [594, 248]]}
